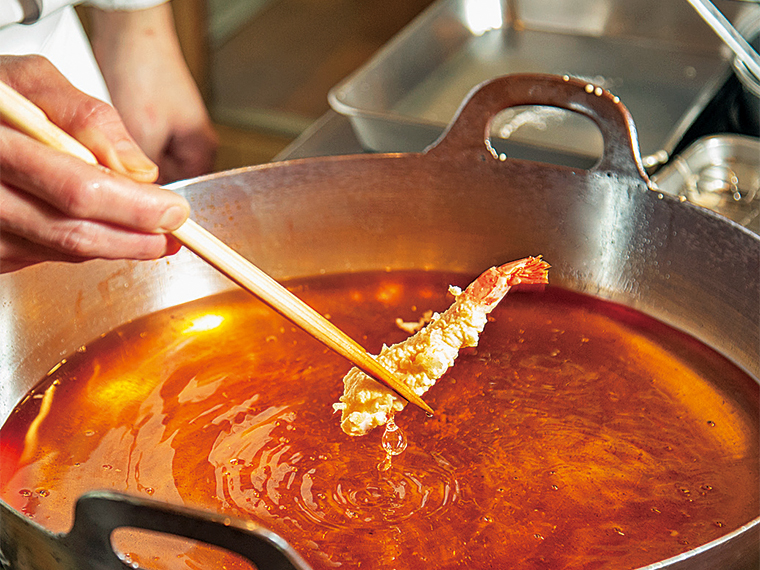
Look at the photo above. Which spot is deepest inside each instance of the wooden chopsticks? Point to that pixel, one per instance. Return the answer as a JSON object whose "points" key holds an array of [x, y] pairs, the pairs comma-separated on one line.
{"points": [[25, 116], [20, 113], [207, 246]]}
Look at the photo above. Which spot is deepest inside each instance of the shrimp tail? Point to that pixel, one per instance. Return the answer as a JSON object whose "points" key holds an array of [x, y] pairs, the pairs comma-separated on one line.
{"points": [[493, 284]]}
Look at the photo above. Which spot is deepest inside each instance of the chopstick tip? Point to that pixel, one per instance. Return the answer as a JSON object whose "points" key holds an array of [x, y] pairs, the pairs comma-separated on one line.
{"points": [[426, 408]]}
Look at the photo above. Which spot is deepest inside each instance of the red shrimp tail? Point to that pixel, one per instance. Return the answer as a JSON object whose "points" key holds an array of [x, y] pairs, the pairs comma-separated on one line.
{"points": [[528, 271], [493, 284]]}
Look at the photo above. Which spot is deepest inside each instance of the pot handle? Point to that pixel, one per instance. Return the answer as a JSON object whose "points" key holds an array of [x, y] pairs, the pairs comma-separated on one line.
{"points": [[98, 514], [470, 128]]}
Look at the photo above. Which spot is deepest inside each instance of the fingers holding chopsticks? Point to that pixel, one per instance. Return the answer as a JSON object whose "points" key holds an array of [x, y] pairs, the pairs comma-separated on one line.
{"points": [[17, 252], [56, 207], [94, 123]]}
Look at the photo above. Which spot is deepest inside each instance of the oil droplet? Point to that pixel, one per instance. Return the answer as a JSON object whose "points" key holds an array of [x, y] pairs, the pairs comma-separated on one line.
{"points": [[719, 524], [393, 442], [706, 487], [25, 492], [150, 490], [89, 433], [710, 423], [589, 88], [43, 492], [394, 439]]}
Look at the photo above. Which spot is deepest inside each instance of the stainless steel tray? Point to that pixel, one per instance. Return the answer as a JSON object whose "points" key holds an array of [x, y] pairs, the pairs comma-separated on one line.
{"points": [[658, 57]]}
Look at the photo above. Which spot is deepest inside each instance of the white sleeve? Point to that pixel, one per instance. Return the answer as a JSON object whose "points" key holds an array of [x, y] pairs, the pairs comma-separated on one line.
{"points": [[124, 4], [60, 38]]}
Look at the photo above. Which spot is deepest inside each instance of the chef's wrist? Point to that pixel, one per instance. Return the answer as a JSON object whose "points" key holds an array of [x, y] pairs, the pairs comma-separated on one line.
{"points": [[120, 30]]}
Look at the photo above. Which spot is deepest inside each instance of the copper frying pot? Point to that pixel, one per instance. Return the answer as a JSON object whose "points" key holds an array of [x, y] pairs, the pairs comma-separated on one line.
{"points": [[458, 206]]}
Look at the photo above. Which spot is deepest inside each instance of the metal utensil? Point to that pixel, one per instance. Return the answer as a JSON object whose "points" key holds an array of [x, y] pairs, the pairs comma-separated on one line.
{"points": [[720, 172], [726, 32]]}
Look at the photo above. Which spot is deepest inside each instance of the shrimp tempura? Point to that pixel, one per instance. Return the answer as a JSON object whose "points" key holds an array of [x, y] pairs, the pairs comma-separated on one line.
{"points": [[423, 358]]}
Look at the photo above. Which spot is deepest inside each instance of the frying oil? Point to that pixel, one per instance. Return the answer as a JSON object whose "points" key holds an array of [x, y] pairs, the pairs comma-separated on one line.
{"points": [[578, 434]]}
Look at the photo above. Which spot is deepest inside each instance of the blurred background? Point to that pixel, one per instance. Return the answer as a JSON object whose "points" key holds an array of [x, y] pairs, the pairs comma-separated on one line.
{"points": [[265, 66]]}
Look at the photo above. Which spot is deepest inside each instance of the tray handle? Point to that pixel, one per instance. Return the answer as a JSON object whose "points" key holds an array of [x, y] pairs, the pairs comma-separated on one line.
{"points": [[469, 130], [98, 514]]}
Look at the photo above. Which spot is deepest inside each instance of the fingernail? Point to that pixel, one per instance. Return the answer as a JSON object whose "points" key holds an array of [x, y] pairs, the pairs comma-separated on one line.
{"points": [[173, 218], [134, 161]]}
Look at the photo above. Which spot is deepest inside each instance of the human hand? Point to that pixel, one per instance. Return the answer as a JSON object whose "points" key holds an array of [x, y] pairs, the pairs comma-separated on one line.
{"points": [[153, 91], [55, 207]]}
